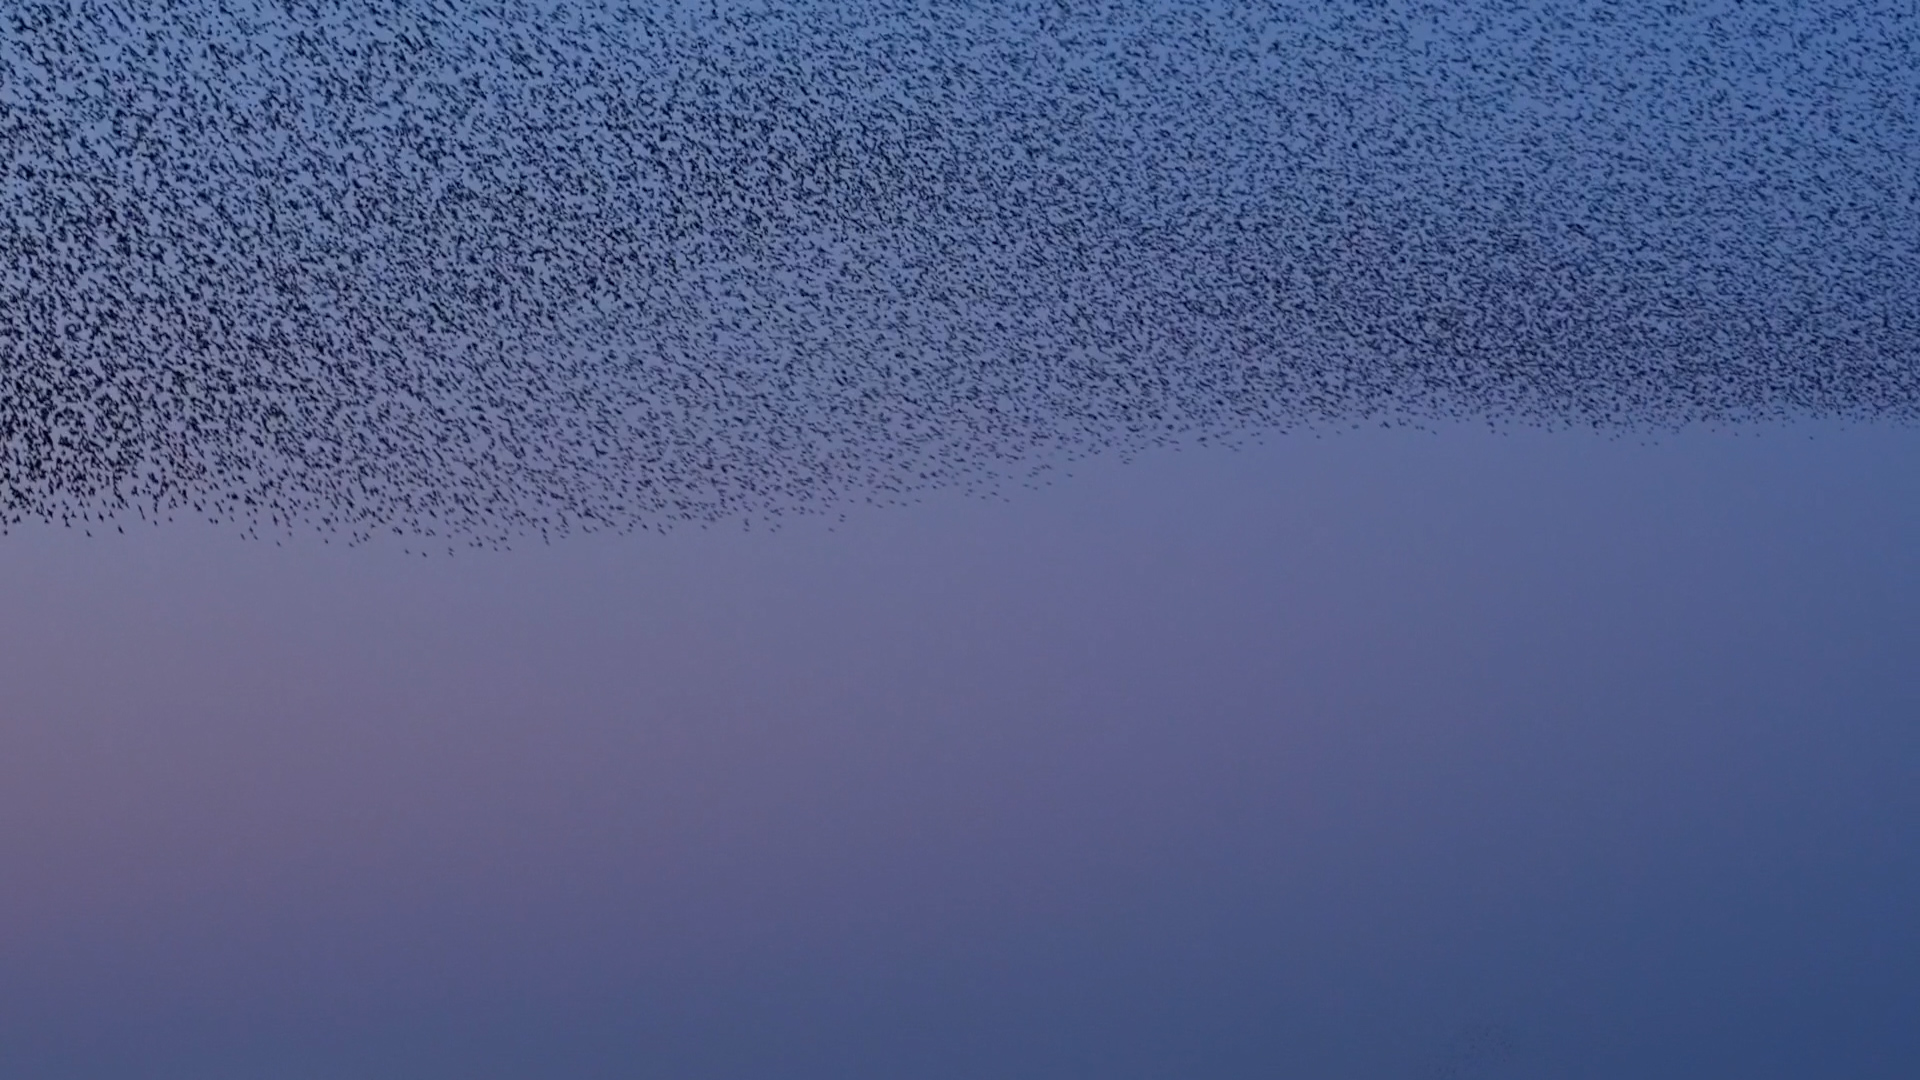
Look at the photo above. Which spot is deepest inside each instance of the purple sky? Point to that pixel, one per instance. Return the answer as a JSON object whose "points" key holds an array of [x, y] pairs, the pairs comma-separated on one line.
{"points": [[1373, 755], [1454, 756]]}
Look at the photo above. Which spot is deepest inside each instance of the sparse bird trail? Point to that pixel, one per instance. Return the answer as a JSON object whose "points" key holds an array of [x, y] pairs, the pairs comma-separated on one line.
{"points": [[478, 270]]}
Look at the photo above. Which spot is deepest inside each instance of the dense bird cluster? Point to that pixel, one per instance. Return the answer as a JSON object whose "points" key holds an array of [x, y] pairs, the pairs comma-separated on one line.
{"points": [[471, 269]]}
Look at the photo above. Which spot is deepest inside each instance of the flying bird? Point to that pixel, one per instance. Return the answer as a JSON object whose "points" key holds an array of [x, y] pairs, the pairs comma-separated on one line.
{"points": [[470, 270]]}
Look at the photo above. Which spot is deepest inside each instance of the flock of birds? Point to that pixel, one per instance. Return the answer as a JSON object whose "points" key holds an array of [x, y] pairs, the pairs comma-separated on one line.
{"points": [[471, 270]]}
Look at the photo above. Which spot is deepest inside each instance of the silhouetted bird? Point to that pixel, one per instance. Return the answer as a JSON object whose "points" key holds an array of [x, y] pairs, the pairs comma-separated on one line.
{"points": [[476, 270]]}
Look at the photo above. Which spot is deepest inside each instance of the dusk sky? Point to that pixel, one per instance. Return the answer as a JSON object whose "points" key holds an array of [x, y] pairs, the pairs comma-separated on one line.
{"points": [[1327, 758], [1363, 542]]}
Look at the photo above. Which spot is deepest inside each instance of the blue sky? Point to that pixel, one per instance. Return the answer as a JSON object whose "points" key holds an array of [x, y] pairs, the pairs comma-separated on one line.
{"points": [[1358, 541]]}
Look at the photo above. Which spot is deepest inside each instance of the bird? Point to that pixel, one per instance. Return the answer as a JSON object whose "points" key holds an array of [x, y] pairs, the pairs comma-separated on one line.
{"points": [[474, 272]]}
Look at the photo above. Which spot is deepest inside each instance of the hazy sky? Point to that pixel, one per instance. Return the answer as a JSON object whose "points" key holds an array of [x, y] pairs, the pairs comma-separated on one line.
{"points": [[1376, 755], [1526, 745]]}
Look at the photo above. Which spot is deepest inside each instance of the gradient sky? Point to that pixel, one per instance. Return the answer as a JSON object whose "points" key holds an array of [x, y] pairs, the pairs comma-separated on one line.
{"points": [[1374, 755], [1504, 749]]}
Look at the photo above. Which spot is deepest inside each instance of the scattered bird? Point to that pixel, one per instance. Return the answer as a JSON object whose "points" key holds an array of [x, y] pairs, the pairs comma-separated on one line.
{"points": [[478, 270]]}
